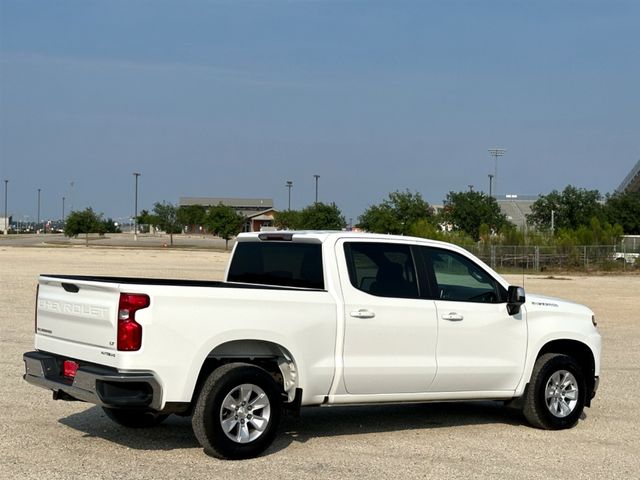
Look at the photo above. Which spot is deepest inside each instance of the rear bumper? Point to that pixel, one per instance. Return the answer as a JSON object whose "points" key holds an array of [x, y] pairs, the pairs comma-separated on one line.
{"points": [[96, 384]]}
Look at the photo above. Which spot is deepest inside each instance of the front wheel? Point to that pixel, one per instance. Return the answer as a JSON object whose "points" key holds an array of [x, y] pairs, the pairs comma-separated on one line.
{"points": [[555, 398], [237, 412]]}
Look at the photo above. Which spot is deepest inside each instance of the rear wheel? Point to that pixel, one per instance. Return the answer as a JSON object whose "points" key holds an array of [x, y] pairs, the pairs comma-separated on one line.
{"points": [[237, 412], [134, 418], [555, 398]]}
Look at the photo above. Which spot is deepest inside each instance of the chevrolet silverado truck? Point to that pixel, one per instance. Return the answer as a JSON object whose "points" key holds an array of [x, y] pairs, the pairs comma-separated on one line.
{"points": [[307, 319]]}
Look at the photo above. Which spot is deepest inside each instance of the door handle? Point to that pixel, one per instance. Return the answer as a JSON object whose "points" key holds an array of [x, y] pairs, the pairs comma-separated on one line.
{"points": [[452, 317], [362, 313]]}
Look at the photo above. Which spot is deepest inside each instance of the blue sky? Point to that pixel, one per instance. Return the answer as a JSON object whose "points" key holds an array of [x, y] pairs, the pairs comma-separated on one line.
{"points": [[233, 98]]}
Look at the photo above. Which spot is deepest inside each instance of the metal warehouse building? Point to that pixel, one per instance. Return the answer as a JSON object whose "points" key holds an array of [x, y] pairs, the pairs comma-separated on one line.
{"points": [[516, 207], [258, 212], [631, 183]]}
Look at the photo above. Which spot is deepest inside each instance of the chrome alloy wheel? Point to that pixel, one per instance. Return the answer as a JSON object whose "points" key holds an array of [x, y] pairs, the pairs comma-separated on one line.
{"points": [[561, 393], [245, 413]]}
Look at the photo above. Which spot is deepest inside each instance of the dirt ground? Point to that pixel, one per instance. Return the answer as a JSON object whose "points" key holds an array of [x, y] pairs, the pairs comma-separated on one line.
{"points": [[42, 438]]}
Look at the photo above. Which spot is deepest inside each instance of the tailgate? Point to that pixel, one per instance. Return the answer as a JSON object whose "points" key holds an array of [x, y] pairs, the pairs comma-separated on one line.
{"points": [[78, 311]]}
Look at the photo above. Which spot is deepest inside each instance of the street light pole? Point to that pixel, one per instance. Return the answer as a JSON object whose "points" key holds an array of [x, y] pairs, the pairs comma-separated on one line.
{"points": [[71, 183], [38, 224], [316, 177], [490, 185], [6, 218], [495, 153], [135, 218], [289, 185]]}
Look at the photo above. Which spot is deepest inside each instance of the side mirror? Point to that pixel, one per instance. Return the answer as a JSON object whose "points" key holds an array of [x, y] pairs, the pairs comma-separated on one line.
{"points": [[515, 299]]}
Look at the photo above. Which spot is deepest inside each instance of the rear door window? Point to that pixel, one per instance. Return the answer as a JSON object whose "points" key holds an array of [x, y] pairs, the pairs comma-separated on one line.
{"points": [[278, 263], [382, 269]]}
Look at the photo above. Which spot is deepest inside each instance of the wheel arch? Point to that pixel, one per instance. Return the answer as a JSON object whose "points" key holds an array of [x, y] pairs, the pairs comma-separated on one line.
{"points": [[578, 351], [270, 356]]}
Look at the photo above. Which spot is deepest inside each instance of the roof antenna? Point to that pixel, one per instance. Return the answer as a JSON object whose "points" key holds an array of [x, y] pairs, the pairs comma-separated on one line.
{"points": [[524, 252], [524, 248]]}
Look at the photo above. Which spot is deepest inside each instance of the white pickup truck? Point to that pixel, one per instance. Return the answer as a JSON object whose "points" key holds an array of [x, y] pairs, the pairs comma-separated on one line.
{"points": [[311, 318]]}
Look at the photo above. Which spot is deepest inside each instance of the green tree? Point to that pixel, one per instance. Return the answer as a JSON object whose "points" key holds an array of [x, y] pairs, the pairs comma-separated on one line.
{"points": [[511, 235], [396, 214], [473, 213], [224, 222], [288, 220], [573, 207], [166, 216], [109, 226], [624, 209], [427, 229], [85, 221], [192, 216], [145, 219], [322, 216], [595, 233]]}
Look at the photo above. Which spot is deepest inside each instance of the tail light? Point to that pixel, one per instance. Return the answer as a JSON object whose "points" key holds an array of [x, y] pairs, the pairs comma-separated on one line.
{"points": [[130, 331]]}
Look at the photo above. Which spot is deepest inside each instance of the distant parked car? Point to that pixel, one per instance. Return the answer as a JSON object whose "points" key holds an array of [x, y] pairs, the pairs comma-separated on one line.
{"points": [[629, 258]]}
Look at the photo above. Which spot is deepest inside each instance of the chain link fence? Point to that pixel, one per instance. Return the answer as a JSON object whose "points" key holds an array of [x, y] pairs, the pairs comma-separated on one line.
{"points": [[558, 258]]}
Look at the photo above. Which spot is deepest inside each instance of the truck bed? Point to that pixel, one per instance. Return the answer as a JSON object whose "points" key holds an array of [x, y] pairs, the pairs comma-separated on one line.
{"points": [[168, 282]]}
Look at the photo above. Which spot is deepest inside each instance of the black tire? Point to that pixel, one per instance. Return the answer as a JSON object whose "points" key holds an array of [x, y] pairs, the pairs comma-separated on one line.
{"points": [[209, 414], [559, 412], [134, 418]]}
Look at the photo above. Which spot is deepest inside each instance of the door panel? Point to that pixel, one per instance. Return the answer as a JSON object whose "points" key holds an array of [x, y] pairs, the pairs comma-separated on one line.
{"points": [[480, 346], [393, 352], [390, 342], [481, 349]]}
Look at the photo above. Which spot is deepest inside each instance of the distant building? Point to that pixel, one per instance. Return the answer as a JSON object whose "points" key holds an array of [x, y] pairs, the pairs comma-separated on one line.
{"points": [[5, 221], [436, 209], [631, 183], [258, 212], [516, 207]]}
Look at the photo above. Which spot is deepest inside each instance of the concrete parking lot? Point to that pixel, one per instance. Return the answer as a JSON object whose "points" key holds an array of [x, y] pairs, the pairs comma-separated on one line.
{"points": [[42, 438]]}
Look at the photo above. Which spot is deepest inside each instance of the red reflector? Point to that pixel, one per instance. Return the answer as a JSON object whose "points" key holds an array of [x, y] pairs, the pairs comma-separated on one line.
{"points": [[69, 368]]}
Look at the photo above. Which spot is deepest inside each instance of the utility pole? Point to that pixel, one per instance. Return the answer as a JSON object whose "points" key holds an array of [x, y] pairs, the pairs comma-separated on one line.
{"points": [[38, 224], [495, 153], [553, 221], [316, 177], [71, 183], [62, 210], [135, 218], [289, 185], [490, 185], [6, 218]]}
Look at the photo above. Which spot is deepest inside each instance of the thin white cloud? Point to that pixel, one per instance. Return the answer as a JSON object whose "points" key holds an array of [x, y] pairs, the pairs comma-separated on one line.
{"points": [[220, 74]]}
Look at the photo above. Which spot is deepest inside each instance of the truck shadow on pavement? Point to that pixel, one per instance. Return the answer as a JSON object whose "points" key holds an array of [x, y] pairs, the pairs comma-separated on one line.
{"points": [[173, 433], [176, 432], [337, 421]]}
